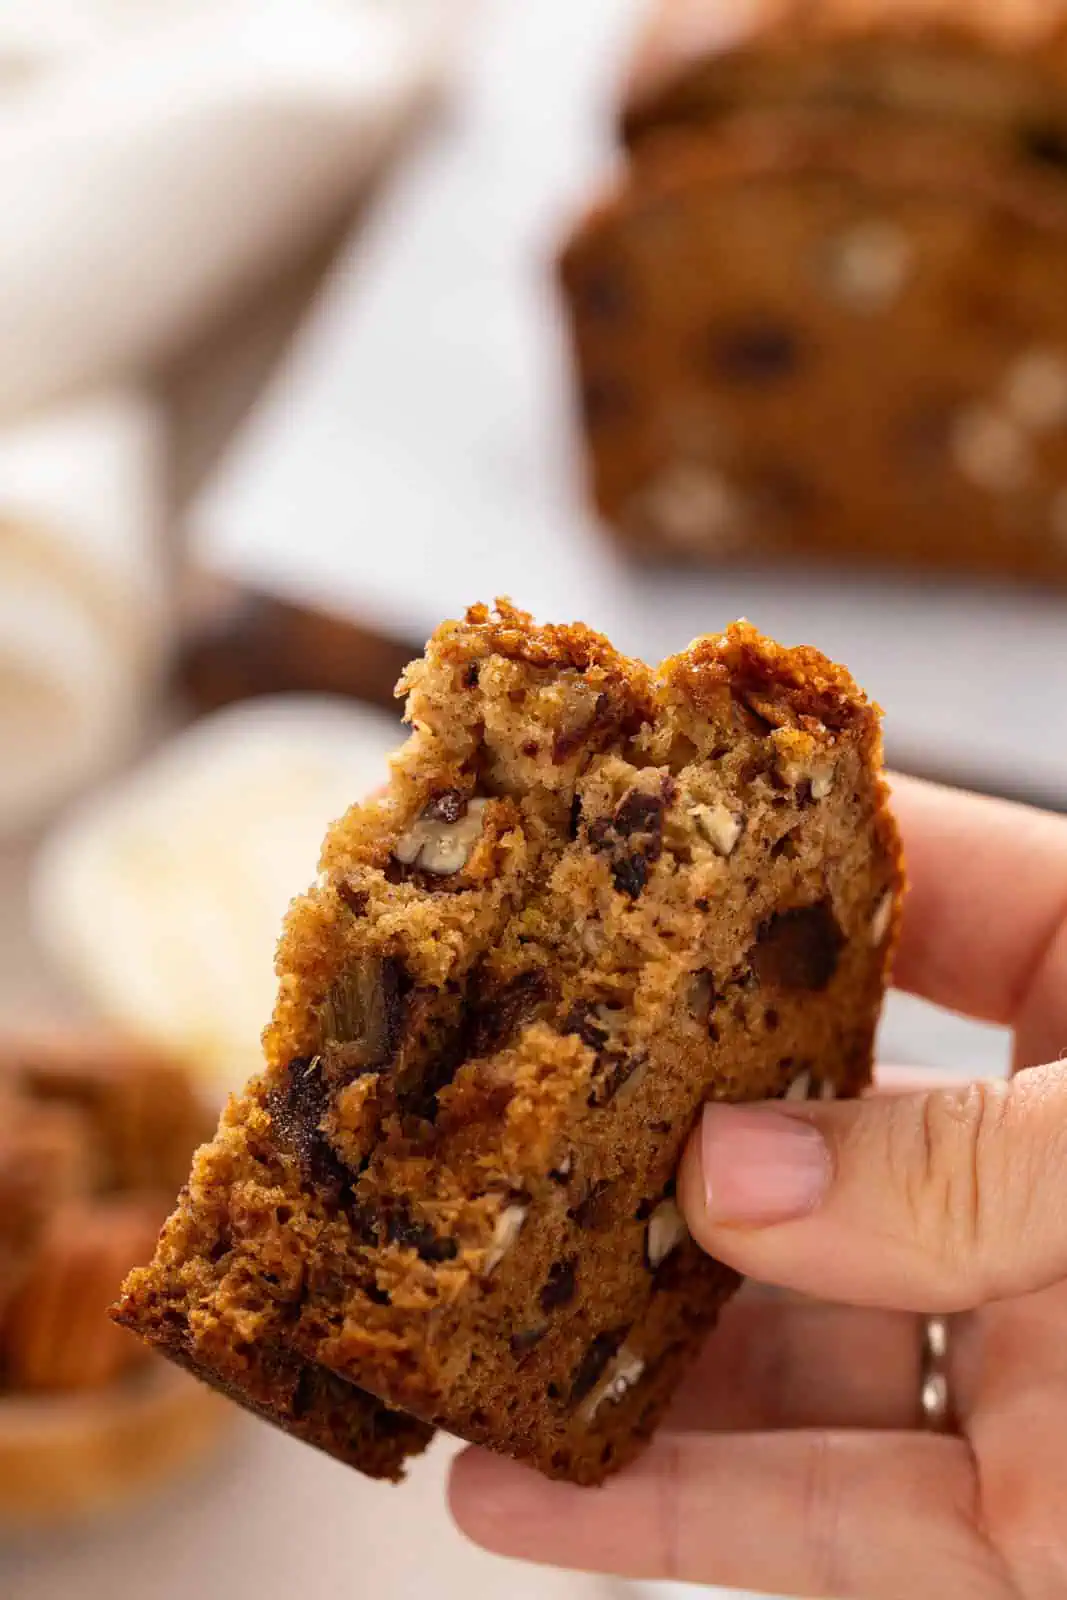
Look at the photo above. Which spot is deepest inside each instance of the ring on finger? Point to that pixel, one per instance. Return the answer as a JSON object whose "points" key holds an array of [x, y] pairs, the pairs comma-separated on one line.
{"points": [[935, 1397]]}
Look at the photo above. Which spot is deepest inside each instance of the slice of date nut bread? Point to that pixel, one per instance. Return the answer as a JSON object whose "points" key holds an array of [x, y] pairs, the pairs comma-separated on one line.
{"points": [[592, 897]]}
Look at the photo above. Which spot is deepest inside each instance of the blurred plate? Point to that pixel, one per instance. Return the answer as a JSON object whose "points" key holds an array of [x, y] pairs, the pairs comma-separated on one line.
{"points": [[66, 1458], [421, 441], [163, 897]]}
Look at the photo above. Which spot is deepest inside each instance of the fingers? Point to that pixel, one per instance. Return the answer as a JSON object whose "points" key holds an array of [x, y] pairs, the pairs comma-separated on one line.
{"points": [[834, 1514], [921, 1202], [776, 1362], [985, 919]]}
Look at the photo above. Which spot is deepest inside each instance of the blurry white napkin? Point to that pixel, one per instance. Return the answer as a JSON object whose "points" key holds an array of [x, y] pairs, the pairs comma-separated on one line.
{"points": [[156, 156], [83, 623]]}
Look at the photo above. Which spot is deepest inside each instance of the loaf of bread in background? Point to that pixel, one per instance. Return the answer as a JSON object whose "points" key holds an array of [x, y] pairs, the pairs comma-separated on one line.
{"points": [[820, 311]]}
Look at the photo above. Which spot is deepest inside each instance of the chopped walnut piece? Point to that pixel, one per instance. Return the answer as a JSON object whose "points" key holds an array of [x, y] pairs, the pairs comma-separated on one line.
{"points": [[718, 826], [868, 266], [440, 846], [883, 915], [506, 1231], [666, 1230], [623, 1372], [819, 777]]}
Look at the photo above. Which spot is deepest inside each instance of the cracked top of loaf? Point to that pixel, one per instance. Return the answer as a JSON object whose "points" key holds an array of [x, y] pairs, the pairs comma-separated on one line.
{"points": [[971, 60]]}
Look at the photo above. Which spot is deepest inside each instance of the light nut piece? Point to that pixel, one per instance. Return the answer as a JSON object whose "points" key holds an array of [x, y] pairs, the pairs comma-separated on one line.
{"points": [[800, 1088], [506, 1231], [623, 1372], [990, 450], [692, 507], [1036, 390], [666, 1230], [883, 915], [869, 264], [821, 778], [718, 826], [441, 847], [827, 1090]]}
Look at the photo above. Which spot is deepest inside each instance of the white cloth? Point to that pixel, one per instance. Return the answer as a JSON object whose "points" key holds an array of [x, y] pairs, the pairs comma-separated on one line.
{"points": [[82, 619], [157, 155]]}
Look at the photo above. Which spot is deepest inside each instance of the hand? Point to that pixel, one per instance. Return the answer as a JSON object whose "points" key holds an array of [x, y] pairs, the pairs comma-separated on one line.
{"points": [[794, 1462]]}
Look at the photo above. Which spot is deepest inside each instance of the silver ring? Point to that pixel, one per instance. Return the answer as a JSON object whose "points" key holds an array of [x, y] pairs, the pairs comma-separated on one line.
{"points": [[935, 1400]]}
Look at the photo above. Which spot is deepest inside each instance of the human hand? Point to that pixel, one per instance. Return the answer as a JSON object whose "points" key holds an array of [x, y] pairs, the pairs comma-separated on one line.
{"points": [[794, 1461]]}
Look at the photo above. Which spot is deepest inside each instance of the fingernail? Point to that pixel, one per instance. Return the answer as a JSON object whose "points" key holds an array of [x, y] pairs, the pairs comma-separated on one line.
{"points": [[760, 1166]]}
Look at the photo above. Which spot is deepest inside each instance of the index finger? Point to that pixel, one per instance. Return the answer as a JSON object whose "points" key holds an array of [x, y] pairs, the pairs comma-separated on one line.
{"points": [[985, 919], [814, 1513]]}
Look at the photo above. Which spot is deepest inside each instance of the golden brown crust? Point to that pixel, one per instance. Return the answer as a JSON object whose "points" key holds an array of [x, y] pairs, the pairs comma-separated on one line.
{"points": [[305, 1401], [506, 631], [794, 143], [800, 682], [689, 50]]}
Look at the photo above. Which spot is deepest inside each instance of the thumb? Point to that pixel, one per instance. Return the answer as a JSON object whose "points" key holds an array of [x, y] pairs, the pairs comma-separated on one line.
{"points": [[919, 1202]]}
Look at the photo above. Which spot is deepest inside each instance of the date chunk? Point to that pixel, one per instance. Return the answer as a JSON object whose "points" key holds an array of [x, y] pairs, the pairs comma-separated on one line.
{"points": [[799, 949], [633, 837]]}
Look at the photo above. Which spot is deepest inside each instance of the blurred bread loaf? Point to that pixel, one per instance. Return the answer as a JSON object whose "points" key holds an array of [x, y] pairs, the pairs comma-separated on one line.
{"points": [[819, 313]]}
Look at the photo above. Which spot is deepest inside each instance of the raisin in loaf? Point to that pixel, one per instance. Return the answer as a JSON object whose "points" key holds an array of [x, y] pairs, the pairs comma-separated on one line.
{"points": [[819, 313], [593, 896]]}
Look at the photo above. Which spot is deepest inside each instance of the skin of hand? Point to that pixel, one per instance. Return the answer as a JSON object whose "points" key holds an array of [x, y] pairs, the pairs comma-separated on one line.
{"points": [[793, 1462]]}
